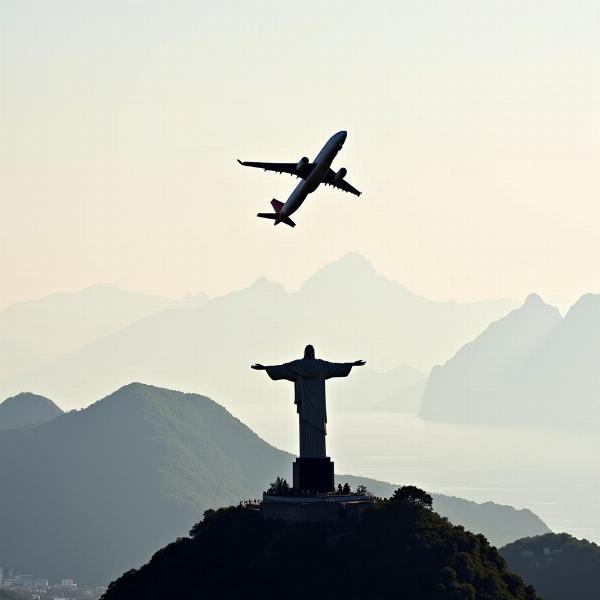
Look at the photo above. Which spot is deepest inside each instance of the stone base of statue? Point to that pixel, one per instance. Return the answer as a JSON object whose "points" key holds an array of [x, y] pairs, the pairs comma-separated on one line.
{"points": [[315, 508], [313, 475]]}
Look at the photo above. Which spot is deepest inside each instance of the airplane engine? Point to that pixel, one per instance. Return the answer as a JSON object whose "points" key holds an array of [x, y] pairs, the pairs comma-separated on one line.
{"points": [[340, 174], [301, 164]]}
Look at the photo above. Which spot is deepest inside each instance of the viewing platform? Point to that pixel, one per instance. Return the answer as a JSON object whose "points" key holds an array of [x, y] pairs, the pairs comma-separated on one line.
{"points": [[315, 508]]}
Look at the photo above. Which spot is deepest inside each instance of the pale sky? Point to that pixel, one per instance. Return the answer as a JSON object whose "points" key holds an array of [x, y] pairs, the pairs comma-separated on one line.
{"points": [[474, 134]]}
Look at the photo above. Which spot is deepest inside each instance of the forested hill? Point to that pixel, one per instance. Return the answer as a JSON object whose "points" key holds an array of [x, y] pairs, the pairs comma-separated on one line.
{"points": [[27, 409], [499, 523], [401, 549], [560, 566], [111, 484]]}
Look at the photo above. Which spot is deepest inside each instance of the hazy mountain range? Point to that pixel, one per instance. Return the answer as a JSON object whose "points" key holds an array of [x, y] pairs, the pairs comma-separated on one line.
{"points": [[97, 491], [531, 367], [36, 332], [27, 409], [346, 310], [396, 390]]}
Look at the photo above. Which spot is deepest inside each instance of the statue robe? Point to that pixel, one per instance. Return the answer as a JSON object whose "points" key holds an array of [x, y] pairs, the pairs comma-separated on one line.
{"points": [[309, 376]]}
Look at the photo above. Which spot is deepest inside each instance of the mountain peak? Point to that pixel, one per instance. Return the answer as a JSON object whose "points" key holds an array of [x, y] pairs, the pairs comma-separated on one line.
{"points": [[265, 283], [136, 386], [534, 304], [588, 304], [534, 300], [350, 268], [354, 262], [27, 397], [137, 390], [142, 401], [26, 409], [355, 259]]}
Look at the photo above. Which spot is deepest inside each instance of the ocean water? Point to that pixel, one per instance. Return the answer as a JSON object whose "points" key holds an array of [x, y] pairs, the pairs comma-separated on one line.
{"points": [[555, 474]]}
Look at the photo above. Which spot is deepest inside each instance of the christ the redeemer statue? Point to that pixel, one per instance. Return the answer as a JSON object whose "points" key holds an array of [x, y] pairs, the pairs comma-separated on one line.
{"points": [[309, 375]]}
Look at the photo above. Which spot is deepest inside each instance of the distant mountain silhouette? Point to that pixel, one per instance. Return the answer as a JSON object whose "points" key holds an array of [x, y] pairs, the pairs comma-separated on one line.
{"points": [[531, 367], [398, 550], [27, 409], [97, 491], [558, 565], [16, 359], [32, 333], [396, 390], [346, 310]]}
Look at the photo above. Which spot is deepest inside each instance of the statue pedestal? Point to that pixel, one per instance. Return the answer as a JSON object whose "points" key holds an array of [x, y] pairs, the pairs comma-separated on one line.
{"points": [[313, 475]]}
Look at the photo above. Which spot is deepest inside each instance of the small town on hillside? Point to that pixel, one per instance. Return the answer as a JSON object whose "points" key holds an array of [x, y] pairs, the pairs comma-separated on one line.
{"points": [[34, 587]]}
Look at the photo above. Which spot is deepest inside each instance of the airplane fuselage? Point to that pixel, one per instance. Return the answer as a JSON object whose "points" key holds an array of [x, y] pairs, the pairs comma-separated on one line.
{"points": [[322, 164]]}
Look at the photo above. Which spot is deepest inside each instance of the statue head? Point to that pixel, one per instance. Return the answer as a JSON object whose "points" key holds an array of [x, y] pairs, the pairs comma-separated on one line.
{"points": [[309, 352]]}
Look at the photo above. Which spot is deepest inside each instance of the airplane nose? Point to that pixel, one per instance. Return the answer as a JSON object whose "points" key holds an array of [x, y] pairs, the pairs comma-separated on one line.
{"points": [[344, 135]]}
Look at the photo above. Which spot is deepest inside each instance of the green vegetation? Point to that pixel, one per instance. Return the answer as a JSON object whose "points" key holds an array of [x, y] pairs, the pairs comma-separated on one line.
{"points": [[97, 491], [26, 409], [401, 549], [280, 487], [560, 566], [499, 523], [110, 484]]}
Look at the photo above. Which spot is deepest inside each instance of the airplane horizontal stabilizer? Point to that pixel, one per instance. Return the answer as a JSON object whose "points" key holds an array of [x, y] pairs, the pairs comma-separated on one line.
{"points": [[274, 216]]}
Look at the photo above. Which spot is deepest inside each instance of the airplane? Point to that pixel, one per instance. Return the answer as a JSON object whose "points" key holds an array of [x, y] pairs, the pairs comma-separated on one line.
{"points": [[312, 174]]}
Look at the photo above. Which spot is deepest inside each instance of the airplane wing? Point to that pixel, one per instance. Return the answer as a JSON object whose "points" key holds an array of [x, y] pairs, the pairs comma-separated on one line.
{"points": [[291, 168], [341, 184]]}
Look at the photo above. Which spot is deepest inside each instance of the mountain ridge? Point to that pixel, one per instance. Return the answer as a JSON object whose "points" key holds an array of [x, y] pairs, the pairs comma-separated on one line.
{"points": [[135, 470], [532, 367], [27, 409], [343, 317], [58, 324]]}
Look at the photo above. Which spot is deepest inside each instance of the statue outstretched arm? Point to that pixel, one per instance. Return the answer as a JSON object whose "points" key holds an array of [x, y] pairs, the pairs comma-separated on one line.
{"points": [[277, 372], [339, 369]]}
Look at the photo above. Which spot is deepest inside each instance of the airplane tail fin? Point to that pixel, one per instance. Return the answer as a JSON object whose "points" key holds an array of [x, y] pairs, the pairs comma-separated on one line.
{"points": [[277, 206]]}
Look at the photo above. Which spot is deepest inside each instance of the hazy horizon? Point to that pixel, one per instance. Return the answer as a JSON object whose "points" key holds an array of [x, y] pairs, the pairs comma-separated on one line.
{"points": [[563, 307], [288, 288]]}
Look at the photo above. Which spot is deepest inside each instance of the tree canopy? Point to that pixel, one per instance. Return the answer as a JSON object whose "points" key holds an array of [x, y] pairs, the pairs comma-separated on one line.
{"points": [[412, 496], [559, 565], [400, 549]]}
